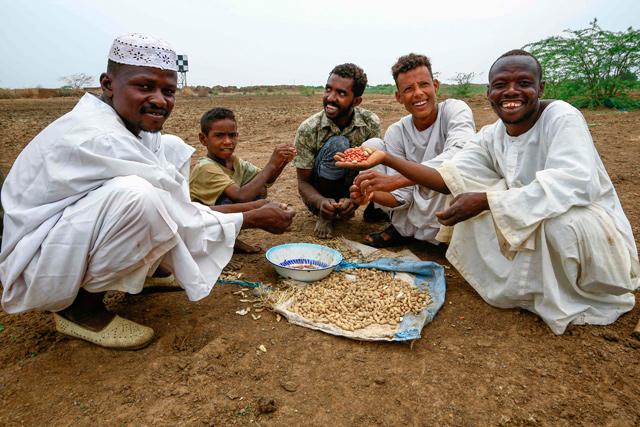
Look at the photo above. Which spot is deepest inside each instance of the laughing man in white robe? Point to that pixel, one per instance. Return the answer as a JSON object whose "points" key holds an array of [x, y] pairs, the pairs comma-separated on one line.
{"points": [[432, 131], [99, 198], [538, 224]]}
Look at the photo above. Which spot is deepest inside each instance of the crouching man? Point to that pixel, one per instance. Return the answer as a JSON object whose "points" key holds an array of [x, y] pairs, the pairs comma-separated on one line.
{"points": [[324, 188], [99, 199]]}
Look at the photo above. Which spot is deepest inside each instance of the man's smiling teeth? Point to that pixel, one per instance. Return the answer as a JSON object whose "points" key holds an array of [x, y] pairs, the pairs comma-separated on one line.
{"points": [[420, 103], [511, 104]]}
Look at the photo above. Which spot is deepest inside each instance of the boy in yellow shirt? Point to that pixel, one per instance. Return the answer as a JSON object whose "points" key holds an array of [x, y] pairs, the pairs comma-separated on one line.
{"points": [[222, 178]]}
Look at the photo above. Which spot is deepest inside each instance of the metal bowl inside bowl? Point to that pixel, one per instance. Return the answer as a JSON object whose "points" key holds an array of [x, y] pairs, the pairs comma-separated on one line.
{"points": [[306, 262]]}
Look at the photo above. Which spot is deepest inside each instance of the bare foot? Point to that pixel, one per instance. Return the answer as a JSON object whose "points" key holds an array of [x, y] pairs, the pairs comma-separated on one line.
{"points": [[324, 228], [245, 248]]}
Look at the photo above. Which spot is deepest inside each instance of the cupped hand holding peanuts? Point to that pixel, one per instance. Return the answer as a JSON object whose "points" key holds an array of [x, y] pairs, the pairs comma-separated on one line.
{"points": [[359, 158]]}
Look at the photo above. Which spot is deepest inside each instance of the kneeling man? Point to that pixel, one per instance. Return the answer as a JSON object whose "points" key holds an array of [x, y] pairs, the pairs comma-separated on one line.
{"points": [[538, 224]]}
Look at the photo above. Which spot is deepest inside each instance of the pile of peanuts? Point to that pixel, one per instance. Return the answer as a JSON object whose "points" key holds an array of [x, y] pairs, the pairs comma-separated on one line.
{"points": [[373, 298]]}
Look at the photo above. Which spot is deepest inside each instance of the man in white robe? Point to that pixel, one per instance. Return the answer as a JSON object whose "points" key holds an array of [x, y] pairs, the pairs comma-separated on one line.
{"points": [[538, 224], [99, 199], [432, 131]]}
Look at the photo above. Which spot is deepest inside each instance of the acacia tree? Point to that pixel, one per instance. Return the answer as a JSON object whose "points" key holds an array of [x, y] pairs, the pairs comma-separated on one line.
{"points": [[77, 81], [591, 66]]}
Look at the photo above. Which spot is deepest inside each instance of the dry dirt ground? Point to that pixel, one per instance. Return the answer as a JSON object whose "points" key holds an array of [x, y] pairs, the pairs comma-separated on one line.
{"points": [[474, 365]]}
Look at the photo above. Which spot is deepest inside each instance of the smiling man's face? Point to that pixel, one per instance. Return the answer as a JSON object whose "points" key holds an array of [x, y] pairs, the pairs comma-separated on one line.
{"points": [[514, 92], [143, 97], [338, 99], [416, 90]]}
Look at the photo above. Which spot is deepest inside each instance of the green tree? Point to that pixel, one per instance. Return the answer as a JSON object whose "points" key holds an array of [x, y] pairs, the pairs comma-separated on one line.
{"points": [[463, 85], [591, 66]]}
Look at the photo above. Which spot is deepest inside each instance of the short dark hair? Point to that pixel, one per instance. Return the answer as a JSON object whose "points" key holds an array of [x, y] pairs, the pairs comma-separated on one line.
{"points": [[519, 52], [409, 62], [213, 115], [352, 71]]}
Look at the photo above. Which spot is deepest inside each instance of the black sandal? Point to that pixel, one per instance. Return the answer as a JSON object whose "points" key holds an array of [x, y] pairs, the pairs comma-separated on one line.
{"points": [[378, 241], [373, 214]]}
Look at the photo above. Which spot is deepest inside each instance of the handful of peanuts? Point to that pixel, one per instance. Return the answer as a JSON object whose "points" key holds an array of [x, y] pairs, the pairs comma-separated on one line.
{"points": [[359, 298], [357, 155]]}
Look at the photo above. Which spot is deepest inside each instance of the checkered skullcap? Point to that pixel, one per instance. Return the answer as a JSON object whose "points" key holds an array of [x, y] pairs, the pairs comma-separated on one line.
{"points": [[143, 50]]}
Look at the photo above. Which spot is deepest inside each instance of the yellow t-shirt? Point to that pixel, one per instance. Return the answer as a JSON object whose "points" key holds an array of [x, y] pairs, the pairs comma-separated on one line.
{"points": [[209, 178]]}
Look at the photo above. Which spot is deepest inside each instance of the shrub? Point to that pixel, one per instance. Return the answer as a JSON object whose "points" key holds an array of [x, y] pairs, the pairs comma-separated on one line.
{"points": [[306, 90], [463, 88], [385, 89]]}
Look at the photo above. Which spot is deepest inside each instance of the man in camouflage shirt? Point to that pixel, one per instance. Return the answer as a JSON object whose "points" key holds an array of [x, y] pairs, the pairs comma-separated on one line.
{"points": [[324, 188]]}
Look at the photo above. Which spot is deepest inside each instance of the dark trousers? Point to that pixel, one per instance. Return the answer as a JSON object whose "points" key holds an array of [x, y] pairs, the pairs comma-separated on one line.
{"points": [[331, 181]]}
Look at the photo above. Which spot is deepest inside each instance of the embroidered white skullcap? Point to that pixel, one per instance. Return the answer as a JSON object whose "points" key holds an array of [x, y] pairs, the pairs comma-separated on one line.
{"points": [[142, 50]]}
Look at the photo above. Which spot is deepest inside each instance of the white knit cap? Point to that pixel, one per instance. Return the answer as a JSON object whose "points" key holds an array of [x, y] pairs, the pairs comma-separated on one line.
{"points": [[142, 50]]}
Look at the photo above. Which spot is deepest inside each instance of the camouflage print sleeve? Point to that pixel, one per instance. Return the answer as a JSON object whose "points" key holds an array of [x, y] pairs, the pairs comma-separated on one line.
{"points": [[305, 145], [375, 127]]}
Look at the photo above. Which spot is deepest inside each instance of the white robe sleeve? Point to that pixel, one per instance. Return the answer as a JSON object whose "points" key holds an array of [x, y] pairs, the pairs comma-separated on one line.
{"points": [[394, 143], [568, 179], [470, 169], [461, 129]]}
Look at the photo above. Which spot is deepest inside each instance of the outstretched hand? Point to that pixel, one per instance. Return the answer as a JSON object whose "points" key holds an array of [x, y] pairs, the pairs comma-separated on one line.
{"points": [[463, 207], [342, 159], [273, 217], [370, 181]]}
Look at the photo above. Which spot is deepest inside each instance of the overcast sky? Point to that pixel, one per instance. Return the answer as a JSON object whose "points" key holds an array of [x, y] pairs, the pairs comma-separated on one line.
{"points": [[255, 42]]}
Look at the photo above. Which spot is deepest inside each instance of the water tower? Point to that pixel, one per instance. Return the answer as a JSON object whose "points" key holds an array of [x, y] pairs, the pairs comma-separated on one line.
{"points": [[183, 67]]}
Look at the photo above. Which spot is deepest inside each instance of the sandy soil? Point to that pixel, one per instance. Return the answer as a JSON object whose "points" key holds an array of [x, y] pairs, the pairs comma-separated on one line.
{"points": [[475, 364]]}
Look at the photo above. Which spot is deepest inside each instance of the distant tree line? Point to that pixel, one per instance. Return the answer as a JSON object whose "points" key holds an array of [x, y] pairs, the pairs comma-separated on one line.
{"points": [[588, 67]]}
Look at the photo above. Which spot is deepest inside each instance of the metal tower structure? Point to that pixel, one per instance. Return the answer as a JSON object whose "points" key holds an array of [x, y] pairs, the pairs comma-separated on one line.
{"points": [[183, 67]]}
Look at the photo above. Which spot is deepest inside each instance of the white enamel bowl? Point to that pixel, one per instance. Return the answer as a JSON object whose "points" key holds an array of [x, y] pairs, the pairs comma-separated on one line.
{"points": [[306, 262]]}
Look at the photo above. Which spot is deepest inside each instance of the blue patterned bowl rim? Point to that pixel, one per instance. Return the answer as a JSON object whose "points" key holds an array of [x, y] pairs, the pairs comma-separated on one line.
{"points": [[337, 256]]}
